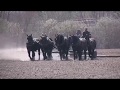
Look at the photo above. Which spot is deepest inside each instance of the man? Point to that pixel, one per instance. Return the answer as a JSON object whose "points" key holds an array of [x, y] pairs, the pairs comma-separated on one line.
{"points": [[86, 33], [78, 33]]}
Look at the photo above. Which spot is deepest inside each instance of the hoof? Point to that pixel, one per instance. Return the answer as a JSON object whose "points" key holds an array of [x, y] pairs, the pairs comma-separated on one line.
{"points": [[92, 59]]}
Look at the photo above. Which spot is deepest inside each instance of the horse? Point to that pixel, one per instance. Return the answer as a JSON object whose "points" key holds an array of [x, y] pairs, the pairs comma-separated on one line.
{"points": [[32, 46], [91, 45], [47, 45], [63, 44], [78, 45]]}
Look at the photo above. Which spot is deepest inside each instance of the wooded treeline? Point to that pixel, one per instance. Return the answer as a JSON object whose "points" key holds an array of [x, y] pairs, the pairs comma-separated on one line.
{"points": [[103, 25]]}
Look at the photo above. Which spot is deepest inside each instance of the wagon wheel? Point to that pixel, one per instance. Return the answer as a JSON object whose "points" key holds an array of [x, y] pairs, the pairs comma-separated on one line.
{"points": [[95, 54]]}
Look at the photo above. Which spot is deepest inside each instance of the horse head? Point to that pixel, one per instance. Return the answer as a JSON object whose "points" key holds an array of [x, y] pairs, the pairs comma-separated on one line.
{"points": [[30, 38], [43, 39], [74, 39], [59, 39]]}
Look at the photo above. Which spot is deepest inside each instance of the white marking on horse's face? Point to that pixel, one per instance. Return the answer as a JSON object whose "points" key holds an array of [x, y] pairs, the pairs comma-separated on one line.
{"points": [[82, 39], [92, 39], [47, 38], [65, 37]]}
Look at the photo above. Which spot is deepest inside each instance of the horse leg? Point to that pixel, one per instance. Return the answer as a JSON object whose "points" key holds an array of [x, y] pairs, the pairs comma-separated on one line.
{"points": [[60, 55], [48, 54], [33, 55], [74, 54], [43, 52], [92, 54], [67, 55], [39, 53], [44, 56], [51, 57], [29, 55], [89, 52], [85, 54], [80, 55], [64, 54], [51, 51]]}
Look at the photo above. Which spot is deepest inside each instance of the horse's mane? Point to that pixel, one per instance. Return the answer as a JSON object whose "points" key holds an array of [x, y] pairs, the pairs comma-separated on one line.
{"points": [[60, 38], [75, 39]]}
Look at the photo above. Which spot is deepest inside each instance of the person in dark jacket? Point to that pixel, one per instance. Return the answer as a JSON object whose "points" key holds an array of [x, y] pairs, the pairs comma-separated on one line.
{"points": [[86, 33], [78, 33]]}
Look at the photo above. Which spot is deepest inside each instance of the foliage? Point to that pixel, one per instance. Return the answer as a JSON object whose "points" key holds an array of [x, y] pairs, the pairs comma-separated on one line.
{"points": [[15, 25], [107, 32]]}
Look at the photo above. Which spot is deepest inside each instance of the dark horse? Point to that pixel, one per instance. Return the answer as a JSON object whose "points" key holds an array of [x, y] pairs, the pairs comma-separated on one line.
{"points": [[47, 45], [91, 45], [78, 45], [63, 45], [32, 46]]}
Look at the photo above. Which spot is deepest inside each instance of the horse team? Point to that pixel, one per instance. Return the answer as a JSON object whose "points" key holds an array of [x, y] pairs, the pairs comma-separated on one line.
{"points": [[62, 44]]}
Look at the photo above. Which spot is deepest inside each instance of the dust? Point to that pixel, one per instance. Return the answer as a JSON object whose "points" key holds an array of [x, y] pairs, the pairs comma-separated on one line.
{"points": [[21, 54], [14, 54]]}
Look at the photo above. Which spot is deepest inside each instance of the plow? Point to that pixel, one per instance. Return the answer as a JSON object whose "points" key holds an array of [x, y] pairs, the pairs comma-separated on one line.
{"points": [[98, 53]]}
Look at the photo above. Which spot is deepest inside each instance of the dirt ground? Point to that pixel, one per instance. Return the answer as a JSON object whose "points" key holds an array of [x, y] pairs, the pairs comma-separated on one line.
{"points": [[105, 68], [16, 65]]}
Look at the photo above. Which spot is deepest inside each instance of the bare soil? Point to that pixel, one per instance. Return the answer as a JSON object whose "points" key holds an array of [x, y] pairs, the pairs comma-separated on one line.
{"points": [[105, 68], [16, 65]]}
